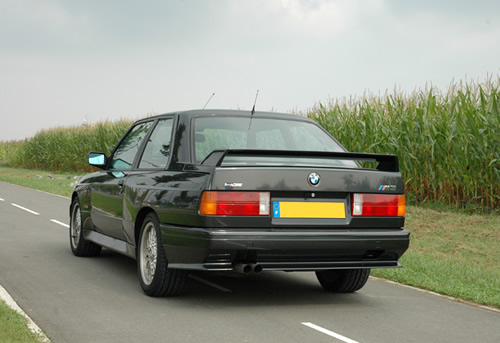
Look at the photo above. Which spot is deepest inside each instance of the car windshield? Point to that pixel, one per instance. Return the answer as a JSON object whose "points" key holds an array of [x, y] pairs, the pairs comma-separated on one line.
{"points": [[221, 133]]}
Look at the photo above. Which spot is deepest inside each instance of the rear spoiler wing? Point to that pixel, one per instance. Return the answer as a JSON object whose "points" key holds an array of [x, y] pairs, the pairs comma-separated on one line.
{"points": [[385, 162]]}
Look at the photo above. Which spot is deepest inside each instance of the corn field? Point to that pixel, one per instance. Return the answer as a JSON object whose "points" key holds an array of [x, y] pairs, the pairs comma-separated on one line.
{"points": [[448, 144], [63, 149]]}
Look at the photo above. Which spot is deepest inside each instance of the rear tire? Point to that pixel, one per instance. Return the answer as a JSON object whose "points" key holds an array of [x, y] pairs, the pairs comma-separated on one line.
{"points": [[343, 280], [156, 279], [79, 245]]}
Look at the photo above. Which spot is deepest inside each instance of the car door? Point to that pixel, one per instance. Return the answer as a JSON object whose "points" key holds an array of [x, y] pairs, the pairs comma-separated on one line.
{"points": [[141, 183], [107, 190]]}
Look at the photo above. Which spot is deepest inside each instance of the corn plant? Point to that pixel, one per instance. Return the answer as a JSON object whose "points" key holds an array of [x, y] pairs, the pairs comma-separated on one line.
{"points": [[66, 149], [448, 144]]}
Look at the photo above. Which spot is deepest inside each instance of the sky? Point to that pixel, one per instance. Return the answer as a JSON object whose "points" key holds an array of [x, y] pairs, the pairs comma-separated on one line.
{"points": [[63, 61]]}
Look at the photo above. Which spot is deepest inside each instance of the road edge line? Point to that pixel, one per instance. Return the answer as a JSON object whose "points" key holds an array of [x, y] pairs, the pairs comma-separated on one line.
{"points": [[449, 297], [6, 297]]}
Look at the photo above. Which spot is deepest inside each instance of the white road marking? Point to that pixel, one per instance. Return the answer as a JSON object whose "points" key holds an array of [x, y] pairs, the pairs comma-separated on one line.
{"points": [[25, 209], [2, 199], [329, 333], [209, 283], [60, 223]]}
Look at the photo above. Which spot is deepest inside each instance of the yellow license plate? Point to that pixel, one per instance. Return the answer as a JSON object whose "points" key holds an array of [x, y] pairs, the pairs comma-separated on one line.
{"points": [[303, 209]]}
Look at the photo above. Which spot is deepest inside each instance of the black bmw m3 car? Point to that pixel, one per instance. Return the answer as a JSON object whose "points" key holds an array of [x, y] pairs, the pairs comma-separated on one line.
{"points": [[237, 191]]}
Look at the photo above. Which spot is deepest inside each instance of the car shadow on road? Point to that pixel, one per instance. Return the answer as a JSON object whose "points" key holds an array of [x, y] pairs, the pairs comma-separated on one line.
{"points": [[266, 288], [229, 290]]}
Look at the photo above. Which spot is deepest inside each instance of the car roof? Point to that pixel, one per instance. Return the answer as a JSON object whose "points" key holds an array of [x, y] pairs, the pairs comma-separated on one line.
{"points": [[217, 112]]}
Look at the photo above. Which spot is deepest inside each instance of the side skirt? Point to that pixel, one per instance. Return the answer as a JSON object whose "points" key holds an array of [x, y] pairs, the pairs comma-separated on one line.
{"points": [[114, 244]]}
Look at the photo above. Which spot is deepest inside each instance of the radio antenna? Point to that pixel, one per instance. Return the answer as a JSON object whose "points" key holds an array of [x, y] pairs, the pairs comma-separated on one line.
{"points": [[211, 96], [255, 101], [253, 110]]}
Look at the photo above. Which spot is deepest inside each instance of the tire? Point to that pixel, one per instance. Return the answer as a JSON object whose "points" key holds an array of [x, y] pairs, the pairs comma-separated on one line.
{"points": [[156, 279], [79, 245], [343, 280]]}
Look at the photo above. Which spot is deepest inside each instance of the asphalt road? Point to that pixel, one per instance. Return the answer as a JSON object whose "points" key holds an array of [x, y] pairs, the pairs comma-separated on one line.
{"points": [[100, 300]]}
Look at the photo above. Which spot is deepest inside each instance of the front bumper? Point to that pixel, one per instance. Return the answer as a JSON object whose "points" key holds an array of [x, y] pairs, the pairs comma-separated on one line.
{"points": [[283, 249]]}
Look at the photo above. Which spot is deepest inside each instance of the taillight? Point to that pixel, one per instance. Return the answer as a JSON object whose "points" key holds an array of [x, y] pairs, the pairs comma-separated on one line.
{"points": [[378, 205], [235, 203]]}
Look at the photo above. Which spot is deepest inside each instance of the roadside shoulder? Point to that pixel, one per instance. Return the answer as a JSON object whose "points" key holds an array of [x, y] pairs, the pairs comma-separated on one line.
{"points": [[470, 303], [5, 296]]}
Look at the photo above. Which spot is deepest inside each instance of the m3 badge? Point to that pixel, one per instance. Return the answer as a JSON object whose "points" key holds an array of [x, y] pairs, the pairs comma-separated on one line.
{"points": [[387, 188]]}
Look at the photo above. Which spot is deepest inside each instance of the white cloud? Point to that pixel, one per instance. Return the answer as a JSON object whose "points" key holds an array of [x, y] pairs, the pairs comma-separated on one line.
{"points": [[61, 60], [328, 18]]}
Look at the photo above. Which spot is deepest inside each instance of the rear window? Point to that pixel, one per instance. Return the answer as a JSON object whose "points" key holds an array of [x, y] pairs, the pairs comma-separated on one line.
{"points": [[222, 133]]}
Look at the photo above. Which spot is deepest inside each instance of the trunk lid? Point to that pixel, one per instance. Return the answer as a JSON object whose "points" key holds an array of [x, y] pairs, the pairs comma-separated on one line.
{"points": [[307, 189]]}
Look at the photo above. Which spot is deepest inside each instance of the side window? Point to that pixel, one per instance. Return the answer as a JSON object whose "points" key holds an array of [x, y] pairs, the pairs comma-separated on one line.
{"points": [[158, 146], [124, 155]]}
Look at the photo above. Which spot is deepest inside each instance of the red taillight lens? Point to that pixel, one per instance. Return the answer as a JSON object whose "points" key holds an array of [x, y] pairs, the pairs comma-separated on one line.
{"points": [[378, 205], [235, 203]]}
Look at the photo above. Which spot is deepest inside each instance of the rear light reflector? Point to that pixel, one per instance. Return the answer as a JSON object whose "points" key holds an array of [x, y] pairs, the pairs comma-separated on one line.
{"points": [[235, 203], [378, 205]]}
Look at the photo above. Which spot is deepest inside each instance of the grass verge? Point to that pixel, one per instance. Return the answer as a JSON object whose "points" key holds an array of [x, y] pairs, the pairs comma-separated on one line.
{"points": [[56, 183], [13, 326], [450, 252]]}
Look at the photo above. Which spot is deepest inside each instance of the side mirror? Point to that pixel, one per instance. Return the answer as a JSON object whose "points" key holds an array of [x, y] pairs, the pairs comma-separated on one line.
{"points": [[97, 159]]}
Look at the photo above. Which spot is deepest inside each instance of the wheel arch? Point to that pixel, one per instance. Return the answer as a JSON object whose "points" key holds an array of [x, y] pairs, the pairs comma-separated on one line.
{"points": [[139, 220], [73, 197]]}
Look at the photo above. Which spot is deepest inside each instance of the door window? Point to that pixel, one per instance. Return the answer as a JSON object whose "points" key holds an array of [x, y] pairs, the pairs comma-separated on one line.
{"points": [[124, 155], [157, 148]]}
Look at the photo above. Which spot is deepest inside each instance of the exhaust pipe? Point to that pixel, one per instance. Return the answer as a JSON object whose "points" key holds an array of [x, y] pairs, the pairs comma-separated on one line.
{"points": [[243, 268], [257, 268]]}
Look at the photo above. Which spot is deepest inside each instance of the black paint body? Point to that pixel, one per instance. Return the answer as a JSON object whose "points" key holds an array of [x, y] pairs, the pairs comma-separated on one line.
{"points": [[114, 203]]}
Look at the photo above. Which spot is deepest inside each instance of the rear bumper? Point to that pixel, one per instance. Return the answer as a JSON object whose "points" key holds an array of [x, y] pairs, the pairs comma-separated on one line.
{"points": [[282, 249]]}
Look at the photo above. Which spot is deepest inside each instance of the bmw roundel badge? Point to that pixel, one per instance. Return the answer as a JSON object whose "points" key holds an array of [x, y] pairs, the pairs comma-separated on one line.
{"points": [[313, 179]]}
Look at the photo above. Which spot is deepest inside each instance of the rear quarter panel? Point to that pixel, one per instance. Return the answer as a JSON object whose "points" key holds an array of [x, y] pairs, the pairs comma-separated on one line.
{"points": [[173, 195]]}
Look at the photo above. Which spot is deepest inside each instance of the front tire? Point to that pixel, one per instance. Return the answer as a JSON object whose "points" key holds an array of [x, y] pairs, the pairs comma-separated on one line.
{"points": [[343, 280], [79, 245], [156, 279]]}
